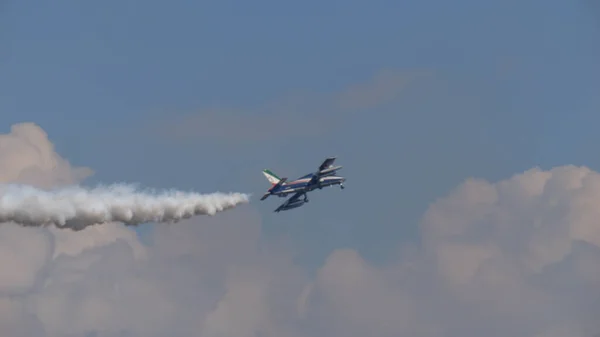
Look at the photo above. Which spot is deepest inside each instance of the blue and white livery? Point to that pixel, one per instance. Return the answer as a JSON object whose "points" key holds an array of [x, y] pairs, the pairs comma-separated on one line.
{"points": [[324, 177]]}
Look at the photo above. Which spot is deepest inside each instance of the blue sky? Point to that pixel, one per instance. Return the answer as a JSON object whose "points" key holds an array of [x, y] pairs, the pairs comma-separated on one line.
{"points": [[413, 97]]}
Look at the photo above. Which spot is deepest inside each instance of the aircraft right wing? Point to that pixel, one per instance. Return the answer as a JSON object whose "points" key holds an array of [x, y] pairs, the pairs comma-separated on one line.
{"points": [[326, 168], [327, 163]]}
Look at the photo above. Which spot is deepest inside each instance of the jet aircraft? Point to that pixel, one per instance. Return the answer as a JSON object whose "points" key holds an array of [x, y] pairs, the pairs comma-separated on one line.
{"points": [[325, 176]]}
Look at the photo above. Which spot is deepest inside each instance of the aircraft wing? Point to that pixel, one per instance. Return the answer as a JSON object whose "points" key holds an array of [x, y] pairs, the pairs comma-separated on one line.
{"points": [[294, 197], [292, 202], [327, 163]]}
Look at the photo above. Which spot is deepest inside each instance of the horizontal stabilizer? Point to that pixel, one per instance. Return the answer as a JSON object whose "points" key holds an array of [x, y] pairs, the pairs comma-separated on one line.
{"points": [[279, 183]]}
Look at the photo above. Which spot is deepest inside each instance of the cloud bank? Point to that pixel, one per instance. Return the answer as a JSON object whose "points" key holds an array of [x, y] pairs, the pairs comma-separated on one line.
{"points": [[76, 207], [519, 257]]}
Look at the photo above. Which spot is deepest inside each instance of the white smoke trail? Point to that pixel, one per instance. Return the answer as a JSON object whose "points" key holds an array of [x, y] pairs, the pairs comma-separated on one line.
{"points": [[78, 207]]}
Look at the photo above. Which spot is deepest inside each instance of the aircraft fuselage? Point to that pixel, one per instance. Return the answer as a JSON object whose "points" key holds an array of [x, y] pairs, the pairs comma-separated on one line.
{"points": [[305, 185]]}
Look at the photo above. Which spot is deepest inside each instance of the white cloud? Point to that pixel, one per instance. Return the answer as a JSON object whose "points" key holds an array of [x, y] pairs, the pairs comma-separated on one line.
{"points": [[27, 156], [520, 257]]}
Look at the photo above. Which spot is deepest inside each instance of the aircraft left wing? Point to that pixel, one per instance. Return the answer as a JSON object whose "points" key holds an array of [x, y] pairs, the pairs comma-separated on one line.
{"points": [[294, 197], [292, 202]]}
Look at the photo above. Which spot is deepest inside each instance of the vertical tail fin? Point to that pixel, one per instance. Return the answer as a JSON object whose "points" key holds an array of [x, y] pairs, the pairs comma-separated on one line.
{"points": [[271, 177]]}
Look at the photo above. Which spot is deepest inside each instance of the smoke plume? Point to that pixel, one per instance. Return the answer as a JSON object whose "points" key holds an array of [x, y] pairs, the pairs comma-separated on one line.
{"points": [[76, 207]]}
